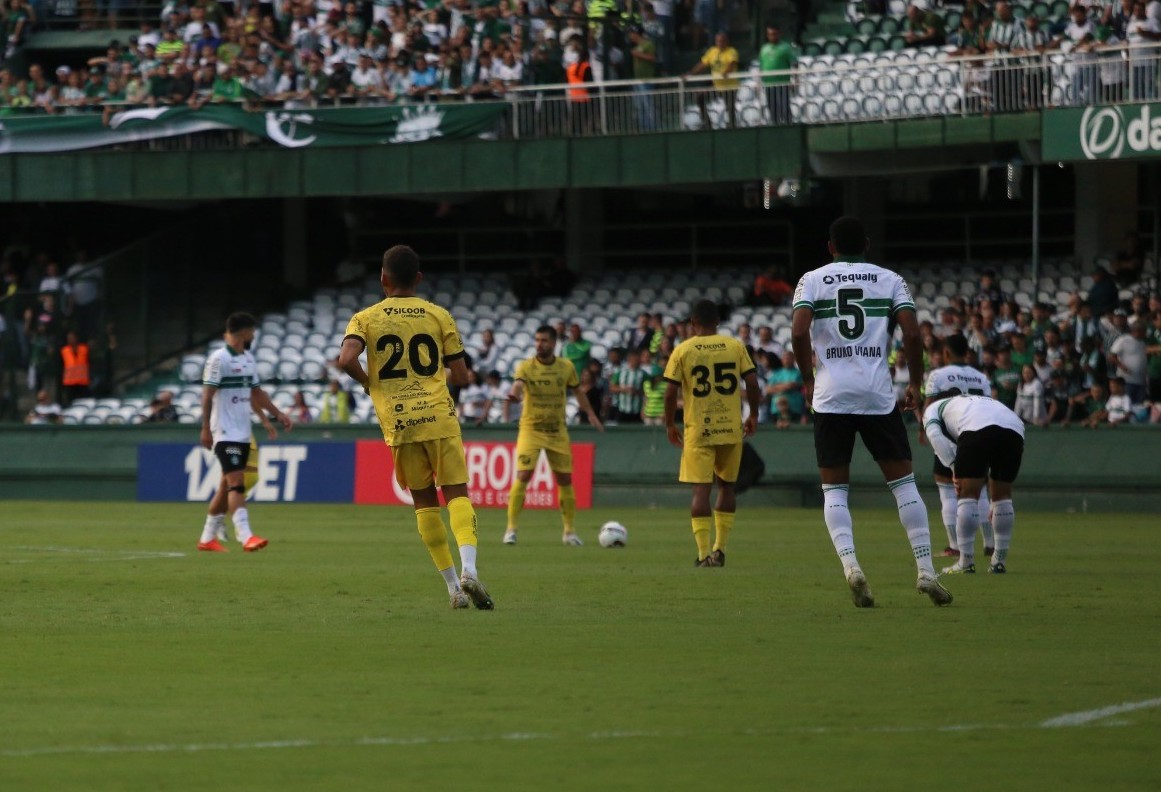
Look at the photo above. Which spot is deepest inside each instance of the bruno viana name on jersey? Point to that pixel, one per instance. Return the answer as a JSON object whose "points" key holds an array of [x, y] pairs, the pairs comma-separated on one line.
{"points": [[836, 353]]}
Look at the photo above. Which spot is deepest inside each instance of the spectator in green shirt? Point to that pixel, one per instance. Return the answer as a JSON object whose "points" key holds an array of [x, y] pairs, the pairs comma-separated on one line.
{"points": [[924, 28], [576, 350], [1021, 352], [777, 55], [227, 88], [1005, 379]]}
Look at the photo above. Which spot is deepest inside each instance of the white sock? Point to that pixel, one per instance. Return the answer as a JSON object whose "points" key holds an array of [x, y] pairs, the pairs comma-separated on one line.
{"points": [[1003, 520], [468, 559], [947, 504], [969, 518], [837, 516], [242, 525], [213, 523], [913, 516], [985, 517], [451, 578]]}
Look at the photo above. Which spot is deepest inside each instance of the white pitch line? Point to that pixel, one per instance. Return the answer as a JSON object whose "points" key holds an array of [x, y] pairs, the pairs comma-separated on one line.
{"points": [[1071, 719], [1088, 716], [96, 554]]}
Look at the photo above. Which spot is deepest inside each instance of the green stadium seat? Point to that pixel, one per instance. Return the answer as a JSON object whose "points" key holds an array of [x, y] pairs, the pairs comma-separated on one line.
{"points": [[877, 44], [834, 47], [812, 49], [867, 26], [1040, 8], [951, 20], [890, 25], [897, 43], [1019, 11], [856, 46], [1060, 9]]}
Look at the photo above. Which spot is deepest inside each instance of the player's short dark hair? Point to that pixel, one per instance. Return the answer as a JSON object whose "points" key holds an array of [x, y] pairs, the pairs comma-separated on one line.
{"points": [[402, 265], [548, 330], [849, 236], [956, 345], [705, 313], [237, 322]]}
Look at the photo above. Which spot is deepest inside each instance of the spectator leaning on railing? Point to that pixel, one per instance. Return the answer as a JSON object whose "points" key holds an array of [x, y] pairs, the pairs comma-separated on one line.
{"points": [[721, 60]]}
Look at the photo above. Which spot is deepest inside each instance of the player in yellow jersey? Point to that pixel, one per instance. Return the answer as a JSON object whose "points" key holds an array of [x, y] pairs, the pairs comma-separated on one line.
{"points": [[543, 383], [707, 368], [409, 341]]}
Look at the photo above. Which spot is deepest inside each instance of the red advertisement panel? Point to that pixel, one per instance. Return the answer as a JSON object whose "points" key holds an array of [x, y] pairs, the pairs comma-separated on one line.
{"points": [[491, 470]]}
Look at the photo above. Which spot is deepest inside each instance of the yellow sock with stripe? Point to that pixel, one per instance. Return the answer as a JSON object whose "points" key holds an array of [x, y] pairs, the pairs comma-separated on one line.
{"points": [[516, 503], [724, 522], [568, 507], [463, 525], [701, 535], [434, 535]]}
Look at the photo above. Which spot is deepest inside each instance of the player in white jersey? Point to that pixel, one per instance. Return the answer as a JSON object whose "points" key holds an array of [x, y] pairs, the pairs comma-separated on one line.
{"points": [[846, 313], [229, 392], [980, 439], [955, 378]]}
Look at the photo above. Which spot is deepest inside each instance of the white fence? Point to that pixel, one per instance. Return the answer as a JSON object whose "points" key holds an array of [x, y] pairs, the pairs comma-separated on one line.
{"points": [[842, 88]]}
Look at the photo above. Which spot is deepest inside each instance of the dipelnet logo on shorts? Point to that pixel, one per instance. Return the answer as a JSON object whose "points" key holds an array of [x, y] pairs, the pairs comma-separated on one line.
{"points": [[1105, 132]]}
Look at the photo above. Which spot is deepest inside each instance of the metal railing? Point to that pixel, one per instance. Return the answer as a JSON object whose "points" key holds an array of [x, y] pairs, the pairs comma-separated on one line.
{"points": [[822, 90]]}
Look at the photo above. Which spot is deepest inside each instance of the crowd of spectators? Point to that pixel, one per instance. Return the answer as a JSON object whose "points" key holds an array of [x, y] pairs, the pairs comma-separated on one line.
{"points": [[305, 52], [51, 324], [1098, 365]]}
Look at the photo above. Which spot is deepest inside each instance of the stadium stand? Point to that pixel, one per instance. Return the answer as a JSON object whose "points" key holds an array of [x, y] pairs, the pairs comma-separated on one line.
{"points": [[294, 349]]}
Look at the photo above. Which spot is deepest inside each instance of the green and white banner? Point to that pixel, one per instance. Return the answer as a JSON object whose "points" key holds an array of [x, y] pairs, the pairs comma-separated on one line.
{"points": [[348, 126], [1102, 133]]}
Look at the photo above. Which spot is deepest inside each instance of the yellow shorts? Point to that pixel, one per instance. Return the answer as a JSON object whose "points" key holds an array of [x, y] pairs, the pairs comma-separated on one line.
{"points": [[529, 444], [699, 464], [419, 465]]}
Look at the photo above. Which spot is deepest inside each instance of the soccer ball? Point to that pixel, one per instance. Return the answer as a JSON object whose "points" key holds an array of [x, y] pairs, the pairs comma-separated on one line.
{"points": [[613, 534]]}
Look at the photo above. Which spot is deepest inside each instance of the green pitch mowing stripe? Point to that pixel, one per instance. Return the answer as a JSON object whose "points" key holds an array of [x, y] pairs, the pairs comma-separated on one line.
{"points": [[331, 660]]}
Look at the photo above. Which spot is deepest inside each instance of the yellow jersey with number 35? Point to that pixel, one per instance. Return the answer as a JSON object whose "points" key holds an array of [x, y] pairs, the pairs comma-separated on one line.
{"points": [[709, 370], [409, 341]]}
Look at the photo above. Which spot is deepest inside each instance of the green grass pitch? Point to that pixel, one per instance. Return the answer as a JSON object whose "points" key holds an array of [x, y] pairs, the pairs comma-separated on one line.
{"points": [[331, 661]]}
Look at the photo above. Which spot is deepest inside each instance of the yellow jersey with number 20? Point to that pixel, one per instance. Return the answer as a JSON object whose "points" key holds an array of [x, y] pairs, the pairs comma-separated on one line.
{"points": [[710, 370], [409, 341]]}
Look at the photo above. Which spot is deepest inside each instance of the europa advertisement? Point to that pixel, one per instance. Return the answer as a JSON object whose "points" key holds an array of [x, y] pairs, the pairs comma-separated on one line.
{"points": [[346, 126], [491, 471], [359, 472]]}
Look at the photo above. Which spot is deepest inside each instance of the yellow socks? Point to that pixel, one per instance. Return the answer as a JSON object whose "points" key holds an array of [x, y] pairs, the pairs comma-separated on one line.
{"points": [[701, 535], [463, 521], [434, 534], [724, 521], [567, 507], [516, 503]]}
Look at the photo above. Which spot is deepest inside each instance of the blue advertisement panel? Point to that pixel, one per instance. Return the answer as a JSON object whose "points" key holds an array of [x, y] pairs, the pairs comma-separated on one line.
{"points": [[287, 473]]}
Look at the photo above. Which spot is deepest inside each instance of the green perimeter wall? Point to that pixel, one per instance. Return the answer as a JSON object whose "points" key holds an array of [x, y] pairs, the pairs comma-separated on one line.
{"points": [[1064, 470]]}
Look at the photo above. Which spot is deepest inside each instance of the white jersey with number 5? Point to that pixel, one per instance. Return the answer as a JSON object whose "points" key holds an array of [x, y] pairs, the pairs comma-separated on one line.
{"points": [[854, 307], [965, 379]]}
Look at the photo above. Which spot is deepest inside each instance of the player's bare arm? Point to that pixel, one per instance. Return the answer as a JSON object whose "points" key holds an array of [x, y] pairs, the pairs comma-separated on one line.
{"points": [[517, 392], [261, 398], [207, 437], [671, 429], [753, 394], [582, 401], [457, 372], [271, 432], [803, 352], [349, 360], [913, 351]]}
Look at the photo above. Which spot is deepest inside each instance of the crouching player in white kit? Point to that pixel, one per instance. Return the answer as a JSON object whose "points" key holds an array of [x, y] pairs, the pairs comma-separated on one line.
{"points": [[978, 438], [955, 378], [845, 314]]}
